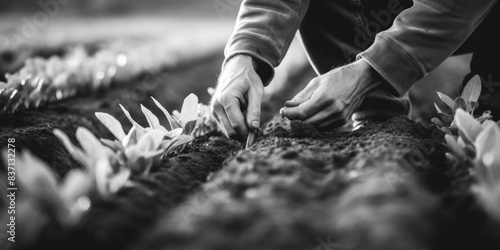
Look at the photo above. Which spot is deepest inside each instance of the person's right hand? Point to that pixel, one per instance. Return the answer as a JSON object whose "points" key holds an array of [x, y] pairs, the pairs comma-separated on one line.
{"points": [[236, 103]]}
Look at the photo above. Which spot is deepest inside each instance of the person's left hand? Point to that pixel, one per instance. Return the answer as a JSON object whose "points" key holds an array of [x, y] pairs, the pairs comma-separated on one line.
{"points": [[329, 100]]}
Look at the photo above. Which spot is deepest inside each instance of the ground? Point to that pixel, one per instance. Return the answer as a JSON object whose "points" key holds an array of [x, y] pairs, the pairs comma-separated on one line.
{"points": [[385, 186]]}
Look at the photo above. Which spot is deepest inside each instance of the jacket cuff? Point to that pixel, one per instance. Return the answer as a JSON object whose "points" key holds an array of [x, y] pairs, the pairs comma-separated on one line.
{"points": [[395, 65], [263, 54]]}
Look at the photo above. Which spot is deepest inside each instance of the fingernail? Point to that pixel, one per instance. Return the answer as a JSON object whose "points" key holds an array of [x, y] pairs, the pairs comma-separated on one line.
{"points": [[281, 112], [255, 124]]}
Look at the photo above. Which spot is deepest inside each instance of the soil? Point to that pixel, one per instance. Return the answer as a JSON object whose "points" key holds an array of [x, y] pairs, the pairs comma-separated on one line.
{"points": [[385, 186]]}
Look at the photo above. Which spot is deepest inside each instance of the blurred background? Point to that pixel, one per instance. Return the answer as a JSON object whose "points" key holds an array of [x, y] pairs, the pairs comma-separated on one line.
{"points": [[190, 29], [120, 7]]}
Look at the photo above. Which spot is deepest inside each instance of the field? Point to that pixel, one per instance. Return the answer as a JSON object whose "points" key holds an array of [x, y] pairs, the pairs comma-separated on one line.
{"points": [[387, 185]]}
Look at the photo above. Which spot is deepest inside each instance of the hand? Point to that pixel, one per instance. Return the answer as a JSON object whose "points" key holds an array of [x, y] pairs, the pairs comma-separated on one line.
{"points": [[329, 100], [236, 102]]}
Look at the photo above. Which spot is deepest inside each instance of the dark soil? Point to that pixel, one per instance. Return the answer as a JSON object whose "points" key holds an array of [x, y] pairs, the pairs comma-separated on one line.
{"points": [[116, 222], [385, 186]]}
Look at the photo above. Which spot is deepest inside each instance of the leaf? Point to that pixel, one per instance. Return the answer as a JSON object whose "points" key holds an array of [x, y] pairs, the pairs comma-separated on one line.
{"points": [[470, 151], [472, 90], [485, 116], [134, 123], [437, 108], [454, 130], [39, 186], [92, 146], [189, 127], [199, 121], [438, 122], [451, 142], [447, 119], [114, 145], [461, 141], [189, 111], [446, 130], [152, 154], [130, 139], [139, 161], [150, 141], [467, 125], [488, 140], [178, 141], [176, 115], [452, 157], [112, 124], [87, 140], [459, 104], [102, 171], [174, 133], [471, 106], [193, 125], [488, 123], [77, 153], [173, 123], [76, 185], [446, 99], [152, 119], [117, 181], [35, 176]]}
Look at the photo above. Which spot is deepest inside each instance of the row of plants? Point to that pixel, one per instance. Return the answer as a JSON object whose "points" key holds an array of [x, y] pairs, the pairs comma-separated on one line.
{"points": [[473, 140], [46, 80], [56, 78], [108, 165]]}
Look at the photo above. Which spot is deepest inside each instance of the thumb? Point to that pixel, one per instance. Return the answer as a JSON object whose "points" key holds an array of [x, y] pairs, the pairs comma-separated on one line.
{"points": [[254, 108]]}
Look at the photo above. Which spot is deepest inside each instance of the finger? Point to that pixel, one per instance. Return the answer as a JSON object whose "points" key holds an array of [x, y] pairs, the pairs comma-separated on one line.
{"points": [[303, 111], [319, 117], [375, 115], [254, 108], [219, 123], [332, 123], [224, 123], [338, 118], [303, 95], [236, 119]]}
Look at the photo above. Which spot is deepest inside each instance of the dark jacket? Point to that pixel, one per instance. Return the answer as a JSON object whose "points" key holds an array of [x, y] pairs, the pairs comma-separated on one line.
{"points": [[420, 38]]}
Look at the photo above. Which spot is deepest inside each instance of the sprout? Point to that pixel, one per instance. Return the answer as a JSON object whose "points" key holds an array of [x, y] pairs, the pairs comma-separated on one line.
{"points": [[44, 201], [479, 144], [142, 147], [100, 161], [487, 169], [467, 102]]}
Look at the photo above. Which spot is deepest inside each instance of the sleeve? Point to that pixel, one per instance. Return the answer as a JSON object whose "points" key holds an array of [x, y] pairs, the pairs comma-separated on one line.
{"points": [[264, 30], [422, 37]]}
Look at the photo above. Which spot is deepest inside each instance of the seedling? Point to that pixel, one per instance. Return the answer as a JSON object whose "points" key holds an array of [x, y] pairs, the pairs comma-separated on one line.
{"points": [[43, 201], [141, 147], [467, 102], [487, 168], [479, 144], [48, 80], [99, 161]]}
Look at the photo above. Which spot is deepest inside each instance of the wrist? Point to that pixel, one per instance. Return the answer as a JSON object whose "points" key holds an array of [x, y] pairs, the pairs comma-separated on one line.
{"points": [[243, 60], [369, 76], [372, 79]]}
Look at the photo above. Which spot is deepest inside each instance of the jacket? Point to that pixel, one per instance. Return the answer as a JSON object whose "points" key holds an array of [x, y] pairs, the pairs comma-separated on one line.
{"points": [[420, 38]]}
